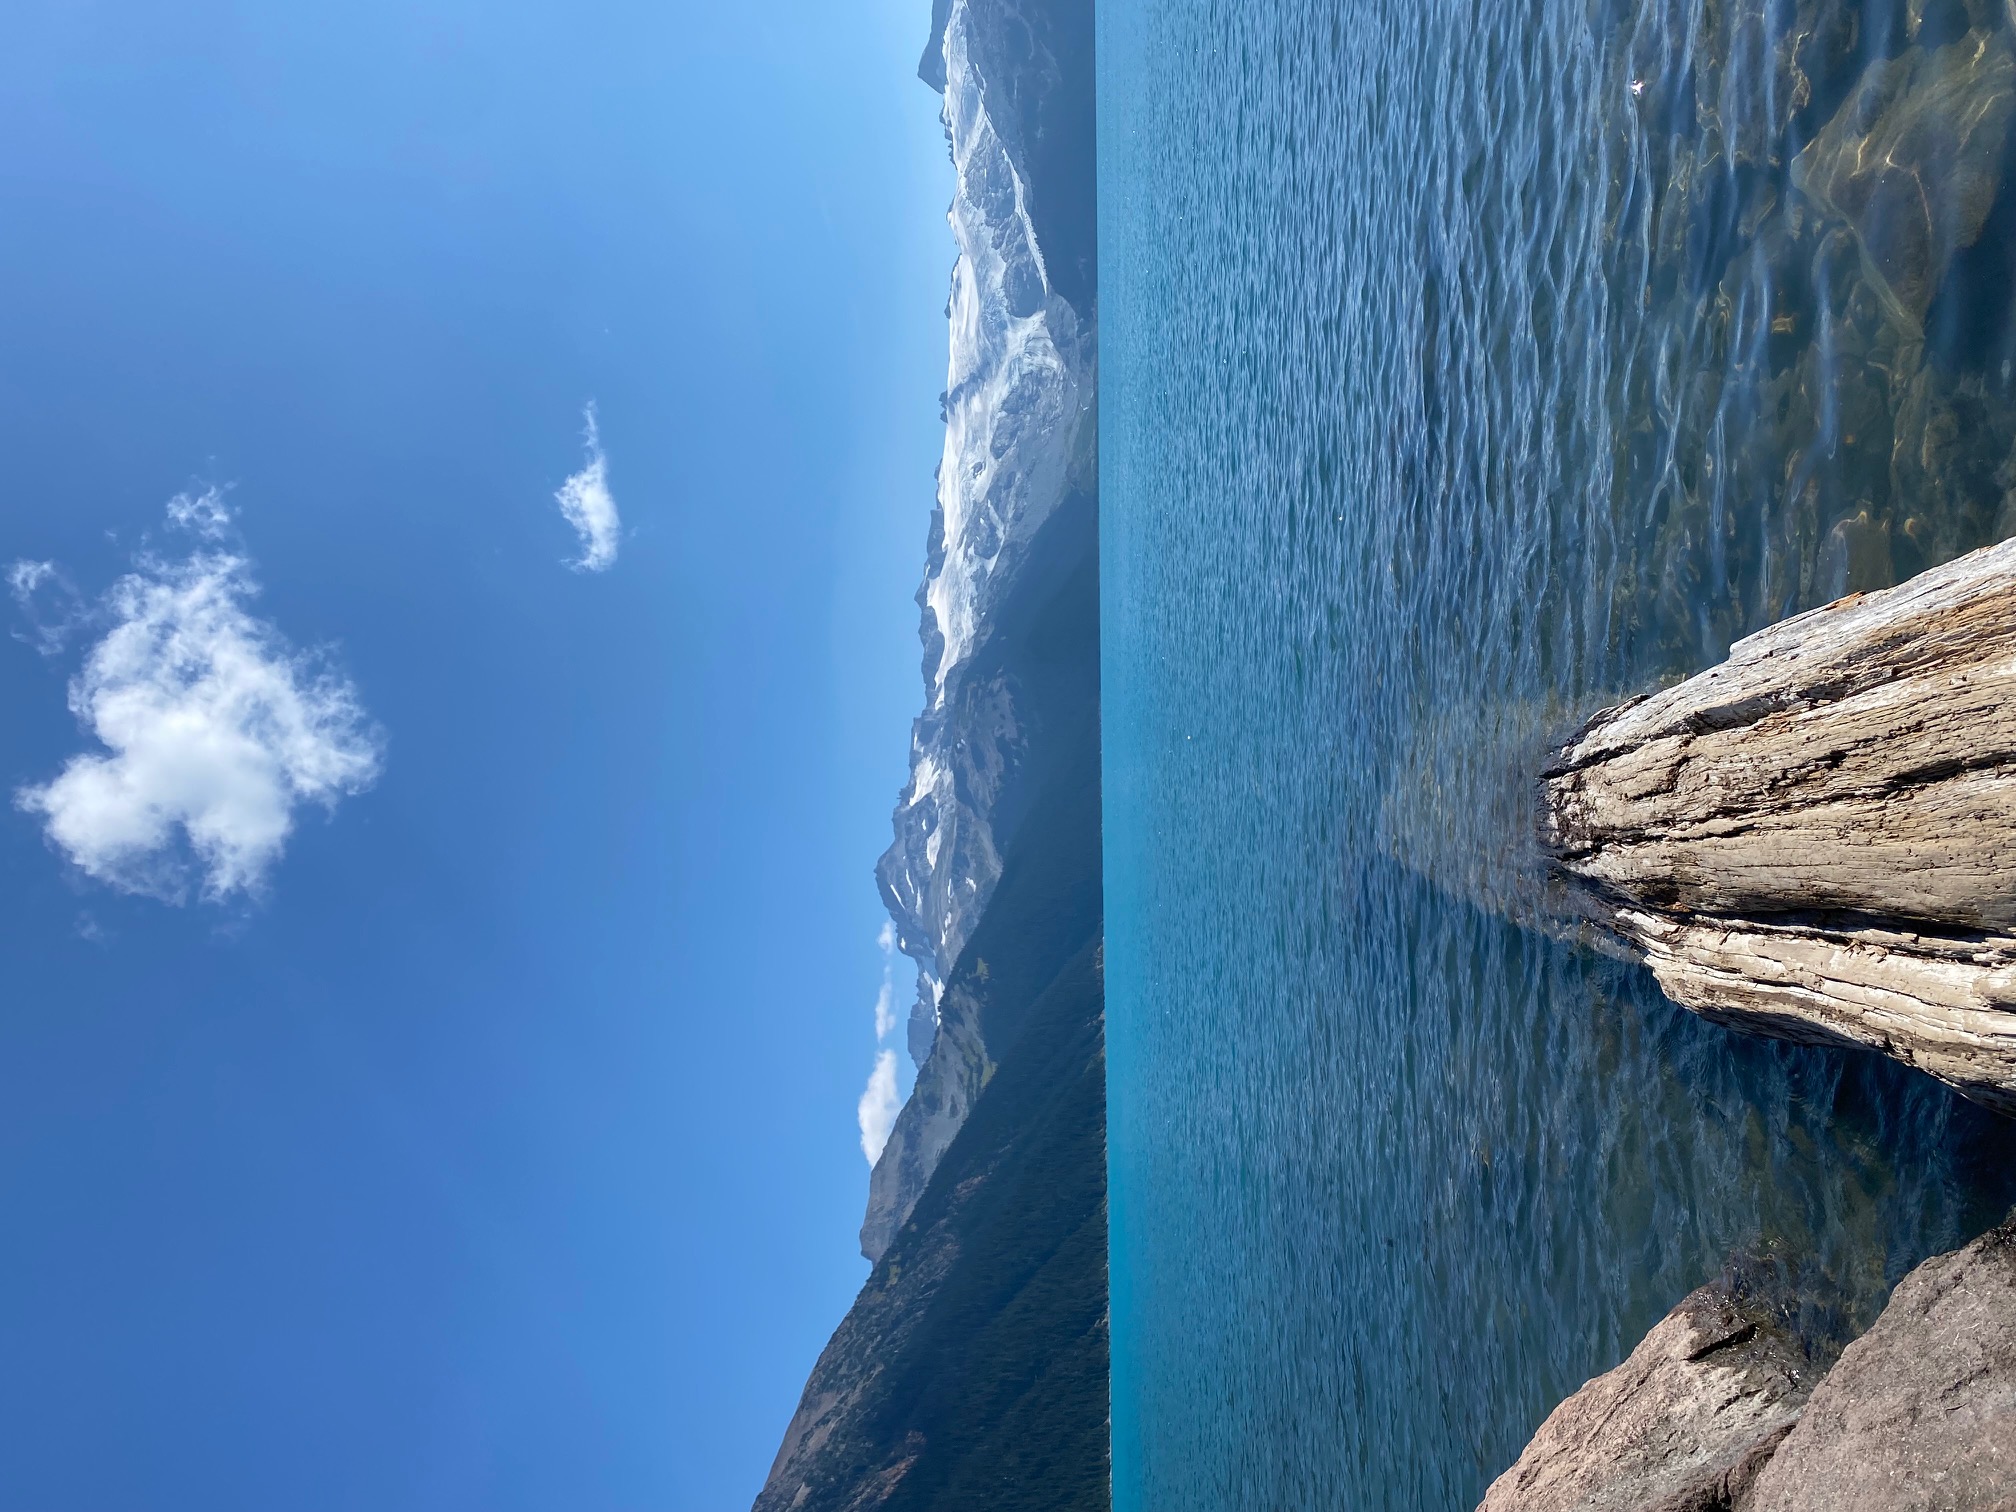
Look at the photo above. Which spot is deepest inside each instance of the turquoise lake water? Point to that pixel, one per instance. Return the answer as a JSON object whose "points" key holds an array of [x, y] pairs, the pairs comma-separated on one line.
{"points": [[1465, 367]]}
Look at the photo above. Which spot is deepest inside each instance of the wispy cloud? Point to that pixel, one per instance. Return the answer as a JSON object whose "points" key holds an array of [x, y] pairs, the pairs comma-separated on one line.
{"points": [[29, 583], [203, 514], [879, 1106], [885, 1000], [883, 1100], [589, 506], [23, 578], [214, 730]]}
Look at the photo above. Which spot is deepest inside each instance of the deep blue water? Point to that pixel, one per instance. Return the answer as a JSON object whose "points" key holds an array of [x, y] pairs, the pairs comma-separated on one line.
{"points": [[1465, 366]]}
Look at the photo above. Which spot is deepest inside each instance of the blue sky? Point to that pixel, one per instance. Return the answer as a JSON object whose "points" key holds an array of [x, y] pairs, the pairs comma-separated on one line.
{"points": [[487, 1139]]}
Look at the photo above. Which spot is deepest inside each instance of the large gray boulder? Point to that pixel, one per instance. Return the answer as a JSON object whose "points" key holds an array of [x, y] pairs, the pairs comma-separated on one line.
{"points": [[1719, 1411], [1920, 1413], [1681, 1426]]}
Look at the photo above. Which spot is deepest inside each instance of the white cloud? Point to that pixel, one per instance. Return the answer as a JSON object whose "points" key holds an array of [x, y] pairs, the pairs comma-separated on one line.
{"points": [[205, 514], [23, 578], [885, 1000], [26, 582], [589, 506], [883, 1099], [215, 731], [880, 1104]]}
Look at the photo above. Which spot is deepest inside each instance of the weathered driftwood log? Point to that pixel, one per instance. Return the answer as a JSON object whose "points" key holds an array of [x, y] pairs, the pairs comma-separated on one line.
{"points": [[1817, 839]]}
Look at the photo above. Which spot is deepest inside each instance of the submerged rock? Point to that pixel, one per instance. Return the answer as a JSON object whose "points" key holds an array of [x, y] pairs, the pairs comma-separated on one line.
{"points": [[1820, 211], [1913, 160], [1920, 1413], [1684, 1425]]}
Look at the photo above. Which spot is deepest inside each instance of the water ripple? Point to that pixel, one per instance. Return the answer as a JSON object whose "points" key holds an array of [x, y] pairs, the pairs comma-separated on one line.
{"points": [[1466, 365]]}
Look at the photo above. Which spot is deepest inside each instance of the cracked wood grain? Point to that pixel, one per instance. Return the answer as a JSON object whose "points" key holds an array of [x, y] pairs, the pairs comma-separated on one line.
{"points": [[1817, 839]]}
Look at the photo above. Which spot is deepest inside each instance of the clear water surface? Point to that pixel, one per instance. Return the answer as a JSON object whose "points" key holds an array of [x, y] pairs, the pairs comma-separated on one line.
{"points": [[1465, 366]]}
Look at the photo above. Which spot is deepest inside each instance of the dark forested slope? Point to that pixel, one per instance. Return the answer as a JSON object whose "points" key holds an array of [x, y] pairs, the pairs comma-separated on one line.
{"points": [[972, 1370]]}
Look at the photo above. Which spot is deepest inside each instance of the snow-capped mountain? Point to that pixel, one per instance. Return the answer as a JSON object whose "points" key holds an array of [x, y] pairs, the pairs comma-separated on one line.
{"points": [[1019, 447]]}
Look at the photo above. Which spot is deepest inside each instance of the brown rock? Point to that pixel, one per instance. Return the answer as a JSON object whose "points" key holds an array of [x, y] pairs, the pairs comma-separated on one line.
{"points": [[1911, 162], [1920, 1413], [1681, 1426]]}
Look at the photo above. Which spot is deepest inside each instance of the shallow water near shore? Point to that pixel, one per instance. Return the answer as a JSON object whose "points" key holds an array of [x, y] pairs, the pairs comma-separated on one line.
{"points": [[1463, 368]]}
